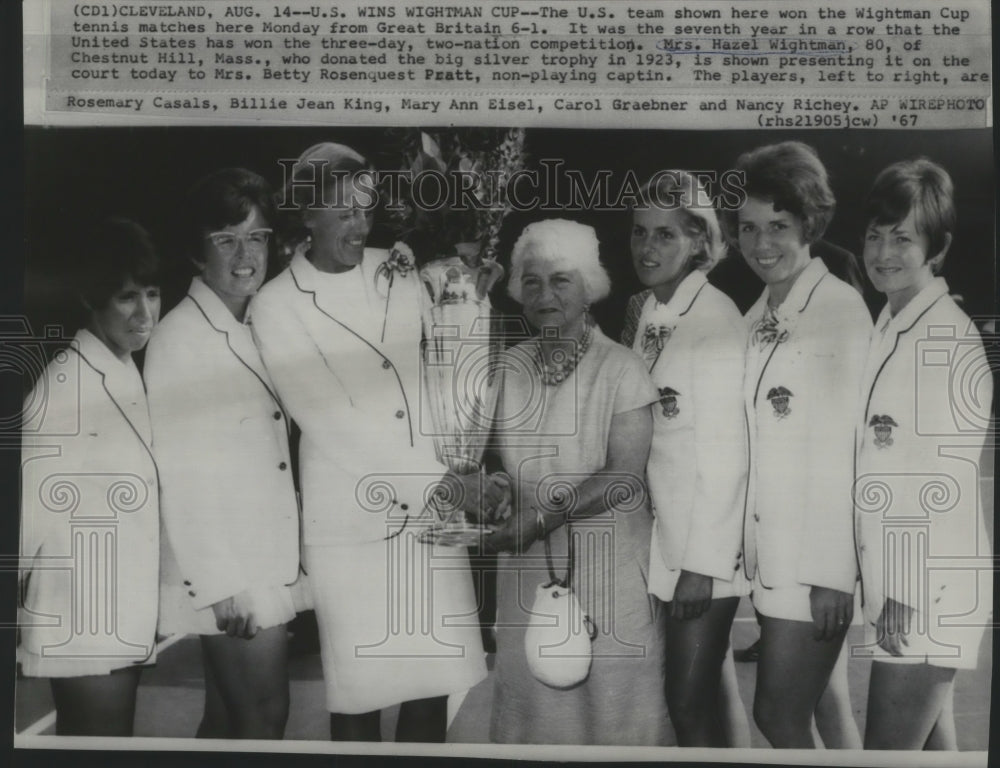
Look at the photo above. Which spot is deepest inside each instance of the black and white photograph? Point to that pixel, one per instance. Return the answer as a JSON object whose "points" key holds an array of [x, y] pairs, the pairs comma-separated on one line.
{"points": [[539, 381], [505, 436]]}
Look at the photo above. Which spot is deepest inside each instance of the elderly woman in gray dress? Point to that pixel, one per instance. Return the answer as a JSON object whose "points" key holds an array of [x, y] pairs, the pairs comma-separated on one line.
{"points": [[575, 430]]}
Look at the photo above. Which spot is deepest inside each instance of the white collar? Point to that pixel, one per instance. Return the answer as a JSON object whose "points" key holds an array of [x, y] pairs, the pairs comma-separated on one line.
{"points": [[908, 315]]}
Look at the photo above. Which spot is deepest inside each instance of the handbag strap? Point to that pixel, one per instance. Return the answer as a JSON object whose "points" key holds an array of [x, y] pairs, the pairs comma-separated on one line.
{"points": [[565, 583], [553, 579]]}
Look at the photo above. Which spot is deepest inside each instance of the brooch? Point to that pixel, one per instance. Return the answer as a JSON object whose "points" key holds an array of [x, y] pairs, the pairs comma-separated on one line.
{"points": [[779, 399], [653, 339], [883, 429], [400, 262], [668, 399], [768, 330]]}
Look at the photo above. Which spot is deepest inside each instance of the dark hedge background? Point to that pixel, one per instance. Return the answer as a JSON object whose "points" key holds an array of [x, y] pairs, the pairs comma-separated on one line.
{"points": [[74, 176]]}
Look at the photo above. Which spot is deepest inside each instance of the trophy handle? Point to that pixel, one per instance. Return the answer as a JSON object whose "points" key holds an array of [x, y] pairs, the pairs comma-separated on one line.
{"points": [[489, 273]]}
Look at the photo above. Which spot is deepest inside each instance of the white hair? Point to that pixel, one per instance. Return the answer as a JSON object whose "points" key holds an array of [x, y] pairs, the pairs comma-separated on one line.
{"points": [[567, 243]]}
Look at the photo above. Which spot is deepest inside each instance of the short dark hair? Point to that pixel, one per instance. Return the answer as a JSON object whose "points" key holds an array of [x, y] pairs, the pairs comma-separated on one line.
{"points": [[117, 250], [224, 198], [790, 175], [921, 186]]}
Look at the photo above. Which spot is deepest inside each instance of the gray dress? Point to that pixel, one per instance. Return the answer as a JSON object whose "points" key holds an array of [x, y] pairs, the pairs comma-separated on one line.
{"points": [[564, 429]]}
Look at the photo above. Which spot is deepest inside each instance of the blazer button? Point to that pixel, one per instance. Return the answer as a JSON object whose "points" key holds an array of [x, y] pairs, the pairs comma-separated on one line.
{"points": [[386, 364], [277, 415], [187, 583], [400, 413], [282, 466], [191, 592]]}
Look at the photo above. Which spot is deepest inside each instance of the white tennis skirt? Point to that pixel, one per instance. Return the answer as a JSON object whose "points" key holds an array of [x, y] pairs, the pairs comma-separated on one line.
{"points": [[274, 606], [397, 622]]}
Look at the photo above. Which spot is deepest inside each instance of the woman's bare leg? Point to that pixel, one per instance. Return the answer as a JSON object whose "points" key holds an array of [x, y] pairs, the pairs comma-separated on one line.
{"points": [[904, 703], [366, 726], [834, 714], [792, 672], [695, 649], [732, 713], [215, 720], [252, 678], [944, 735], [423, 720], [96, 705]]}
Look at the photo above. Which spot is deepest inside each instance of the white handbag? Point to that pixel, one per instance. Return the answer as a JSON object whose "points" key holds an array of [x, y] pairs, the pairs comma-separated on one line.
{"points": [[558, 639]]}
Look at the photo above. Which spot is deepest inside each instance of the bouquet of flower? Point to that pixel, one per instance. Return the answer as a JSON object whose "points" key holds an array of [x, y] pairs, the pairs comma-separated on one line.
{"points": [[453, 189]]}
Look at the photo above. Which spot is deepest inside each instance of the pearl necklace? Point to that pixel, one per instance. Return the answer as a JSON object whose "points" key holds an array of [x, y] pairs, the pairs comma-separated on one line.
{"points": [[557, 372]]}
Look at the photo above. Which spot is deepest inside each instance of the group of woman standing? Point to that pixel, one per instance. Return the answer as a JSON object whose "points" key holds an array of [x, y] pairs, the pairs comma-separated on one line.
{"points": [[708, 457]]}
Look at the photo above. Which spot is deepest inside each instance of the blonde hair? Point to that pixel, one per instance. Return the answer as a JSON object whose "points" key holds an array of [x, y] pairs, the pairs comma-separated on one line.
{"points": [[682, 192]]}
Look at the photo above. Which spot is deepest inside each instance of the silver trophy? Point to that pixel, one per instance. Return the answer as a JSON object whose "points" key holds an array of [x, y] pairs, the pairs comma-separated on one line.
{"points": [[461, 378]]}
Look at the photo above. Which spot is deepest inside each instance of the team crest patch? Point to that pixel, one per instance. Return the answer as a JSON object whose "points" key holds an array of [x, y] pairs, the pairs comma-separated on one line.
{"points": [[779, 399], [668, 399], [883, 429]]}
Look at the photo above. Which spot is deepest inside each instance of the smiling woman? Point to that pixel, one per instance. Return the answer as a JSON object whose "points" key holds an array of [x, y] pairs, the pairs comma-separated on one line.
{"points": [[229, 506], [692, 339], [917, 424], [554, 287], [95, 497], [574, 434], [339, 331], [774, 245], [806, 337]]}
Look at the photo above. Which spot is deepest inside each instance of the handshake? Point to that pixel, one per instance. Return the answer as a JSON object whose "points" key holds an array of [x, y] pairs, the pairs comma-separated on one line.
{"points": [[476, 501], [484, 499]]}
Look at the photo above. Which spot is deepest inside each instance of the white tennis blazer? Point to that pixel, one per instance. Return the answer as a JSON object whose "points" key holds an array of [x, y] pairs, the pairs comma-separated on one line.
{"points": [[89, 510], [801, 395], [697, 469], [221, 440], [366, 462], [927, 393]]}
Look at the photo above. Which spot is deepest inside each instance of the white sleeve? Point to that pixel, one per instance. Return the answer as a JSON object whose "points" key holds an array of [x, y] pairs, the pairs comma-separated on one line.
{"points": [[182, 386], [721, 457]]}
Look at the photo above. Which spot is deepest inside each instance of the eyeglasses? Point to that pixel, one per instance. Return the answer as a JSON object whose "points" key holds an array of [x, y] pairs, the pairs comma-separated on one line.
{"points": [[254, 241]]}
